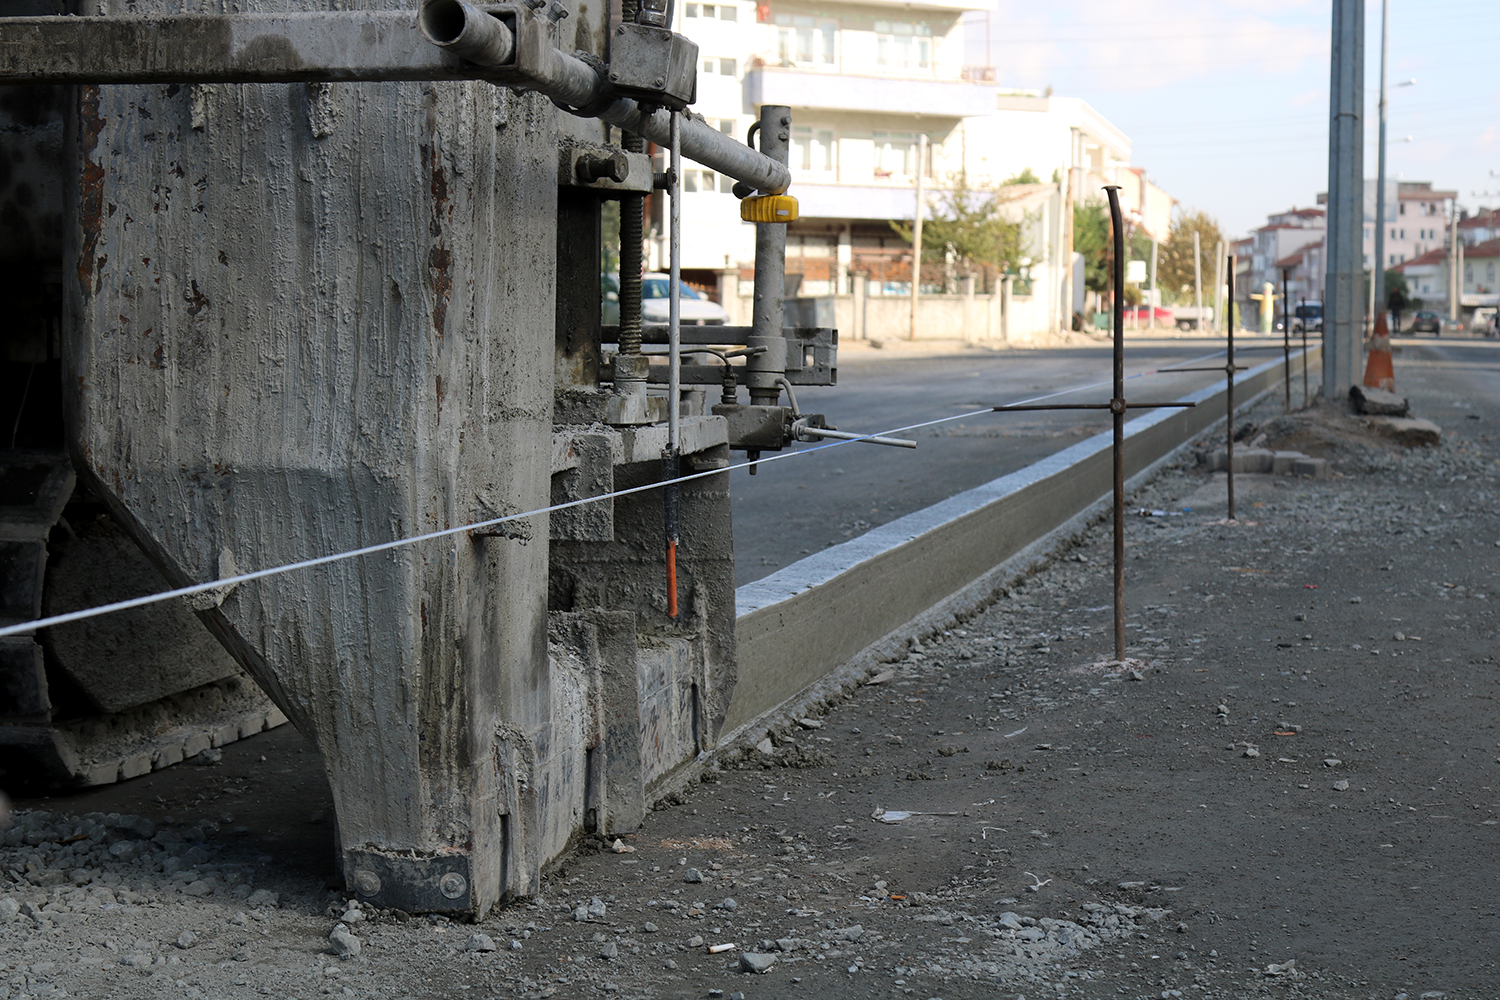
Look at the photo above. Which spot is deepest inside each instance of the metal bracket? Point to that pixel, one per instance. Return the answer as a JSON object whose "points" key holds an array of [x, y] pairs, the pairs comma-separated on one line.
{"points": [[440, 884], [604, 169]]}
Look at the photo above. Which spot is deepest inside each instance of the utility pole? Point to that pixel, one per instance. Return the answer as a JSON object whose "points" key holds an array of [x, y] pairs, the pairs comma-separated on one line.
{"points": [[1455, 282], [1197, 282], [916, 234], [1152, 312], [1377, 274], [1343, 305], [1218, 287]]}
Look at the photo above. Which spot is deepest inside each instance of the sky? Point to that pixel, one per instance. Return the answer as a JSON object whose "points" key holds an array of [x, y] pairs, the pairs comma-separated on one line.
{"points": [[1226, 104]]}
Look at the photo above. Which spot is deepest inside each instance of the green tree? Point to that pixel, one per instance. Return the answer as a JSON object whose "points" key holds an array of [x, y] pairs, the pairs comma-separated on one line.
{"points": [[1174, 266], [1091, 238], [965, 225], [1026, 176]]}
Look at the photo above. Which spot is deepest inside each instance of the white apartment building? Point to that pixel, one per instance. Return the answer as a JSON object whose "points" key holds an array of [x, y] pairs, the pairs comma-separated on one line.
{"points": [[1416, 219], [866, 80]]}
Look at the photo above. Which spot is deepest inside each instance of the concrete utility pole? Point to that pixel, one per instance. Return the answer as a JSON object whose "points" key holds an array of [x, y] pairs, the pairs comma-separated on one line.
{"points": [[1197, 281], [1377, 274], [1218, 286], [1342, 305], [1455, 283], [916, 235], [1152, 313]]}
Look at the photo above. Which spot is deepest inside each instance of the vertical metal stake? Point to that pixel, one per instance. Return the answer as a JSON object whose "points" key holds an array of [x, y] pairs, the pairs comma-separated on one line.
{"points": [[1306, 398], [671, 497], [1286, 342], [1117, 409], [1229, 376]]}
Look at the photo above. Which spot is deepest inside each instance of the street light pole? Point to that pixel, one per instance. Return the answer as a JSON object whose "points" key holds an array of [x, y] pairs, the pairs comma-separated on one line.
{"points": [[1377, 275]]}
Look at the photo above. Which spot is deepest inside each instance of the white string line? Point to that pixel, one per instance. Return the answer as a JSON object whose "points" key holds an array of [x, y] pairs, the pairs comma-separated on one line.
{"points": [[260, 574]]}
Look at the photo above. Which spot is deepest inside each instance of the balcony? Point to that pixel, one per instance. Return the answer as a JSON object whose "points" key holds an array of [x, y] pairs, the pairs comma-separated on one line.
{"points": [[914, 5], [933, 98]]}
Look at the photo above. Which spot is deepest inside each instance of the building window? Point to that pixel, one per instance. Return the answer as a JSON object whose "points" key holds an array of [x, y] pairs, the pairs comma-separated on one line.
{"points": [[1403, 234], [806, 41], [695, 181], [895, 155], [1367, 232], [903, 44], [726, 125], [722, 66], [812, 150], [724, 12], [1403, 208]]}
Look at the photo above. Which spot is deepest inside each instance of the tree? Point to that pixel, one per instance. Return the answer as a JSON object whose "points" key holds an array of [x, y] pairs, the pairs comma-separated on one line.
{"points": [[1174, 268], [964, 225], [1091, 238], [1026, 176]]}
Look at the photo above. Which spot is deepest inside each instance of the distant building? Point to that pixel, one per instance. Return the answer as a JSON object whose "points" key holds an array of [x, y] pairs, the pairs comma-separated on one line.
{"points": [[865, 80], [1416, 219], [1480, 227], [1276, 245]]}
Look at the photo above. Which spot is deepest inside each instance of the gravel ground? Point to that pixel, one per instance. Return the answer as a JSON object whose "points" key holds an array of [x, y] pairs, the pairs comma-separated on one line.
{"points": [[1283, 793]]}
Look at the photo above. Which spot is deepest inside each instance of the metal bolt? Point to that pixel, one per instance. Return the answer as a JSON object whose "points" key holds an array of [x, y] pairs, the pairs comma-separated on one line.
{"points": [[783, 136], [786, 119], [366, 882], [661, 82], [453, 885]]}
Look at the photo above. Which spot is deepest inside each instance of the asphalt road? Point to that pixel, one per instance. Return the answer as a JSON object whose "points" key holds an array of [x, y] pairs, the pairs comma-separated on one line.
{"points": [[793, 507]]}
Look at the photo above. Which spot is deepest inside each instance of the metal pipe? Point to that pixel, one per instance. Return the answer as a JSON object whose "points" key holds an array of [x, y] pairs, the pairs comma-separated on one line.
{"points": [[824, 432], [1117, 408], [575, 83], [1229, 388], [1198, 281], [916, 237], [767, 308]]}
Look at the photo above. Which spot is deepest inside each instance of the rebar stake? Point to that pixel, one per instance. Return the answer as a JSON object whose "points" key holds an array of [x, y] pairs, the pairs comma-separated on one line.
{"points": [[1117, 408], [1229, 379]]}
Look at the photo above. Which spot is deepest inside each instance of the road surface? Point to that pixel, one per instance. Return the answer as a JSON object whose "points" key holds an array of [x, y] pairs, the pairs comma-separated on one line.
{"points": [[794, 507]]}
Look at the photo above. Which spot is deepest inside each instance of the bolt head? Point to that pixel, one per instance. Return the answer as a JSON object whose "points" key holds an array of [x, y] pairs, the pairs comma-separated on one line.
{"points": [[366, 882], [453, 885], [661, 82]]}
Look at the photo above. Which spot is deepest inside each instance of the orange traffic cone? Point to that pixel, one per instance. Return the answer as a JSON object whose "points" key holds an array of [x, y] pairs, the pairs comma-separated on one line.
{"points": [[1379, 373]]}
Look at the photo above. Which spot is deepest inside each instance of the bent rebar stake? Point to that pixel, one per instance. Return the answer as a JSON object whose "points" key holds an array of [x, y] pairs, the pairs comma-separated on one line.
{"points": [[672, 495], [1229, 380]]}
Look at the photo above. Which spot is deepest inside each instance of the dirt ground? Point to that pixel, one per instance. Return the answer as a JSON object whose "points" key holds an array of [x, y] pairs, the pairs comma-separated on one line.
{"points": [[1289, 791]]}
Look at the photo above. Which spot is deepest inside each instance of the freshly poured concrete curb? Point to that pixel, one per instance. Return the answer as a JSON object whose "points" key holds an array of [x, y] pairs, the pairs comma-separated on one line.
{"points": [[806, 620]]}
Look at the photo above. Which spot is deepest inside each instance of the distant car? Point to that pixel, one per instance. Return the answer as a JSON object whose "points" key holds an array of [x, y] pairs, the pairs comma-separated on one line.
{"points": [[1426, 321], [695, 309], [1308, 316], [1484, 322], [1143, 314], [655, 304]]}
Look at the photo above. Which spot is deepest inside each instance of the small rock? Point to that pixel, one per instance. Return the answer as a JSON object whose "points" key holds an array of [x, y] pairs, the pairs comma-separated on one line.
{"points": [[1182, 928], [810, 723], [263, 898], [344, 944], [1331, 762], [581, 913], [125, 850], [239, 920], [692, 875], [597, 907], [1252, 752], [765, 747], [696, 941], [1378, 402], [669, 964], [480, 942], [198, 887], [650, 928], [353, 916], [609, 950], [515, 945], [206, 758], [1341, 786], [9, 909], [756, 962], [728, 904], [186, 940], [242, 953]]}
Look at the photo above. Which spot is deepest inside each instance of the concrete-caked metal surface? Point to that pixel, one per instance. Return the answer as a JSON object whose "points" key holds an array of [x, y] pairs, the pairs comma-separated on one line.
{"points": [[296, 314]]}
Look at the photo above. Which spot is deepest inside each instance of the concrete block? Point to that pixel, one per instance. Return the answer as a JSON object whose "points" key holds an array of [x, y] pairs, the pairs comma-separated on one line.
{"points": [[275, 717], [1312, 468], [1369, 400], [1409, 431], [106, 773], [166, 756], [196, 744], [1282, 462], [252, 724], [135, 765], [227, 733]]}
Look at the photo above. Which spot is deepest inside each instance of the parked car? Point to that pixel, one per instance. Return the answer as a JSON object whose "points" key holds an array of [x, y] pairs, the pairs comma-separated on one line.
{"points": [[1427, 321], [1484, 322], [1193, 317], [697, 309], [1309, 316], [1143, 314]]}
